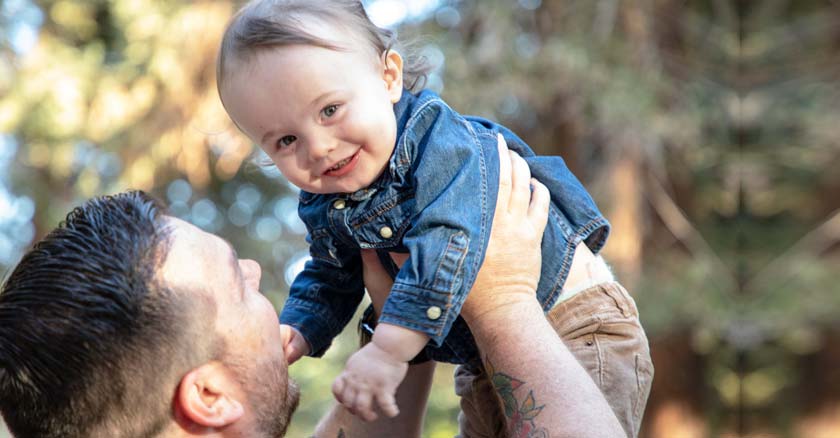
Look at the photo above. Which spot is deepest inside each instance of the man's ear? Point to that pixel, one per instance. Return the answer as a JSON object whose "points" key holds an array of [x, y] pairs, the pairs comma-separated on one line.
{"points": [[392, 73], [208, 396]]}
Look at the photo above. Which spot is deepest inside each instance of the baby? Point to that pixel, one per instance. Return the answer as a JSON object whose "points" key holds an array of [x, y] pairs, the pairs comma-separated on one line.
{"points": [[326, 95]]}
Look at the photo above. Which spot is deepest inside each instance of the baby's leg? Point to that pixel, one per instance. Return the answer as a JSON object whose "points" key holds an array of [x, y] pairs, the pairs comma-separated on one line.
{"points": [[587, 270], [377, 281], [599, 322], [412, 395]]}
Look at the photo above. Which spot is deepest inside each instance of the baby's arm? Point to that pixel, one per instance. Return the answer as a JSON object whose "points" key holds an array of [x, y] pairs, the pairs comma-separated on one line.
{"points": [[322, 299], [373, 373]]}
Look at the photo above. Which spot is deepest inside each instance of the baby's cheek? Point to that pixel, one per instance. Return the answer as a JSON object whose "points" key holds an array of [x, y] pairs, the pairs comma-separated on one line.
{"points": [[361, 127]]}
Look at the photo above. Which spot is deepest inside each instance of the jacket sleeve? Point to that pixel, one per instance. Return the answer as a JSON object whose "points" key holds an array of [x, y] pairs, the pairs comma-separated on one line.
{"points": [[454, 201], [324, 296]]}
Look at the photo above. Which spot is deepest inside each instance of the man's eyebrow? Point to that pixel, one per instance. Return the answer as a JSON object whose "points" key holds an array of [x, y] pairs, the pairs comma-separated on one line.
{"points": [[233, 253]]}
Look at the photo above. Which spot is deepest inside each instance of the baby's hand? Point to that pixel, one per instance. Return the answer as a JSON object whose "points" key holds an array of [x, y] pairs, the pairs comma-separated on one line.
{"points": [[294, 345], [371, 374]]}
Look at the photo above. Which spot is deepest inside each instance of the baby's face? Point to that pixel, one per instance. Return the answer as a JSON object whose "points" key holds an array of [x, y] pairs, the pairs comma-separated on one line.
{"points": [[325, 117]]}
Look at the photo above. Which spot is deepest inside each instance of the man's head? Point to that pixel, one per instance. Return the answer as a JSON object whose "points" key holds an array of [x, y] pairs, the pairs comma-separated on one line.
{"points": [[123, 322]]}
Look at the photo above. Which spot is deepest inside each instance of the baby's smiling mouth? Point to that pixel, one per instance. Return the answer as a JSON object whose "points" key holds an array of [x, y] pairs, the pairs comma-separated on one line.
{"points": [[341, 164], [344, 166]]}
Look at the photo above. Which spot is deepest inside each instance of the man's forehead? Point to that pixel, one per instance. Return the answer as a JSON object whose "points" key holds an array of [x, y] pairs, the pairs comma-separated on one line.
{"points": [[196, 260], [184, 235]]}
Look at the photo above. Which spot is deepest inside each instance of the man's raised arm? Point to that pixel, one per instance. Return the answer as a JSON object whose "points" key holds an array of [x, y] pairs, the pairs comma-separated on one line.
{"points": [[543, 389]]}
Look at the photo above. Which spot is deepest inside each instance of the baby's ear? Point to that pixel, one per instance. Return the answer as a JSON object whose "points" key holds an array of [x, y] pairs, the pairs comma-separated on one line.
{"points": [[392, 73]]}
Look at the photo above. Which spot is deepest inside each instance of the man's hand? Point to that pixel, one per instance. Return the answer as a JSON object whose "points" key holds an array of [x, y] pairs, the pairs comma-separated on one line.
{"points": [[511, 270], [504, 296], [294, 345]]}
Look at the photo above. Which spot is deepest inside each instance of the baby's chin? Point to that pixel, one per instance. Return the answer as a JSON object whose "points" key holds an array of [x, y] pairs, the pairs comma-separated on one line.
{"points": [[349, 186], [337, 189]]}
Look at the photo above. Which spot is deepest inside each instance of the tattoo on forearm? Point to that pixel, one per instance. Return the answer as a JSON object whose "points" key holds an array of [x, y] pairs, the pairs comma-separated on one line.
{"points": [[520, 415]]}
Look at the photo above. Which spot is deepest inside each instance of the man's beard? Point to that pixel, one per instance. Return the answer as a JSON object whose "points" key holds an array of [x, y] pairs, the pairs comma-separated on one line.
{"points": [[273, 400]]}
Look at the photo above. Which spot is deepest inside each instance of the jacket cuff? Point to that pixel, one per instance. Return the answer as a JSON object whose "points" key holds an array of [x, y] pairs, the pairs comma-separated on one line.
{"points": [[311, 322], [424, 310]]}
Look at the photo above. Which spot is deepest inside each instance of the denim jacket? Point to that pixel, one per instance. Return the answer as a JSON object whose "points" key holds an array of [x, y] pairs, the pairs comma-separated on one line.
{"points": [[435, 201]]}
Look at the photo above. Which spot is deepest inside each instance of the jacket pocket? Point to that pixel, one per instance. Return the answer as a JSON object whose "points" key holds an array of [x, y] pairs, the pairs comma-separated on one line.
{"points": [[384, 225], [644, 380]]}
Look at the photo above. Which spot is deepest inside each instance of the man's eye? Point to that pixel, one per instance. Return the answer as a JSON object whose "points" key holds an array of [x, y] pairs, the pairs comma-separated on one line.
{"points": [[330, 110], [286, 140]]}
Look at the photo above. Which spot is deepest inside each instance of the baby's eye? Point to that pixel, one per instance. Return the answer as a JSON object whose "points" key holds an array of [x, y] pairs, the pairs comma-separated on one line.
{"points": [[329, 110], [285, 141]]}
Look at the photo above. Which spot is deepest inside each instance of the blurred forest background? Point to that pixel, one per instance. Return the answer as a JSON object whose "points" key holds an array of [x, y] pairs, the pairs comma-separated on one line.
{"points": [[705, 129]]}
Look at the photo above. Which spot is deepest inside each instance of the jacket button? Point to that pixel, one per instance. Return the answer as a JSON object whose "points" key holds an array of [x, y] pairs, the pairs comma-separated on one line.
{"points": [[339, 204], [386, 232], [433, 312]]}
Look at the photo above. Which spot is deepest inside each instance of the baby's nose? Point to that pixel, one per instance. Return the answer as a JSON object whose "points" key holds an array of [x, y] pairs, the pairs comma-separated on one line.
{"points": [[321, 148]]}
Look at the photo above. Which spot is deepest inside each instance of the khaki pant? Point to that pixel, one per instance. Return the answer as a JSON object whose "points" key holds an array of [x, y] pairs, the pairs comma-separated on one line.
{"points": [[600, 326]]}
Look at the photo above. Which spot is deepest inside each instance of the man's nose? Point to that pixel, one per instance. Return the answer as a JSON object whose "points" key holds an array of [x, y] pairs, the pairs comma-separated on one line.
{"points": [[251, 271]]}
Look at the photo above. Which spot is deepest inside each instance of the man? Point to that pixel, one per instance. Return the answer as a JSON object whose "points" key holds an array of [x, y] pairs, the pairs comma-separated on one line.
{"points": [[124, 322]]}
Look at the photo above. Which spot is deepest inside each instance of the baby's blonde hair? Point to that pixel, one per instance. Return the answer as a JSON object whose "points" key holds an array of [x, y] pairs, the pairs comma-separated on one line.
{"points": [[267, 24]]}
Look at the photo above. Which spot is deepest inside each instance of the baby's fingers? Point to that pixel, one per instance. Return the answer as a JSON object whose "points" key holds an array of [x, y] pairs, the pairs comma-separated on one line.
{"points": [[338, 389], [362, 406], [387, 404], [292, 353], [349, 398]]}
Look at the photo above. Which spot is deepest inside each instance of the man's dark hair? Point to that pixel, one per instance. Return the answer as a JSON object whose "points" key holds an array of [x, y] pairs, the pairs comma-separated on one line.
{"points": [[90, 340]]}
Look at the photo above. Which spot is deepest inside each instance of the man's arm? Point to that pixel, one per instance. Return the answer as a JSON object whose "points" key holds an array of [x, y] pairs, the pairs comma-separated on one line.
{"points": [[544, 390], [540, 383]]}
